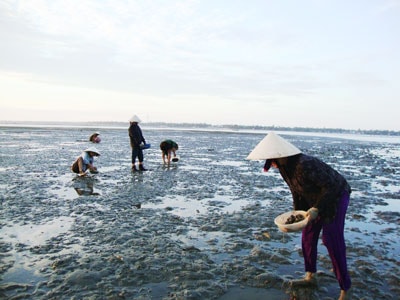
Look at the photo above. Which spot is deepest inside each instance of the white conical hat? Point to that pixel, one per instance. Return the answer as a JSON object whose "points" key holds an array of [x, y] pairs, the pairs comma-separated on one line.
{"points": [[92, 149], [135, 118], [273, 146]]}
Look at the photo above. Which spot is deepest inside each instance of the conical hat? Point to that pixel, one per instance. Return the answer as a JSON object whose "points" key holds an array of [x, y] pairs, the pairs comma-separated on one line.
{"points": [[273, 146], [92, 149], [135, 118]]}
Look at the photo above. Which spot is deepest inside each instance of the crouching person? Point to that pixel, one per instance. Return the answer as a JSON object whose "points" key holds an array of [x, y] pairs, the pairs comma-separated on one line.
{"points": [[85, 162]]}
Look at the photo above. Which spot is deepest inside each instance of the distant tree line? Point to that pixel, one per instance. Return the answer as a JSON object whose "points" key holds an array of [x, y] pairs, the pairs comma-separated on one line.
{"points": [[228, 127], [273, 128]]}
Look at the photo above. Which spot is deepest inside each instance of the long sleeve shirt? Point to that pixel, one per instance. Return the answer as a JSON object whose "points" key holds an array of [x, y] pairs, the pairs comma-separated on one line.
{"points": [[313, 183], [135, 135]]}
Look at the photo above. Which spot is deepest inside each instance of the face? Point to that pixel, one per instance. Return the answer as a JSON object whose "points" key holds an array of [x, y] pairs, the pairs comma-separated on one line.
{"points": [[270, 163]]}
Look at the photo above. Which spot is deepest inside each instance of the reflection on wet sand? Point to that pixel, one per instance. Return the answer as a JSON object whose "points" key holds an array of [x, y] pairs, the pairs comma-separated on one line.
{"points": [[85, 186]]}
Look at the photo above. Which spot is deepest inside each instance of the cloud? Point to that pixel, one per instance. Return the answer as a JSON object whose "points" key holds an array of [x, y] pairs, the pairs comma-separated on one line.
{"points": [[264, 56], [388, 6]]}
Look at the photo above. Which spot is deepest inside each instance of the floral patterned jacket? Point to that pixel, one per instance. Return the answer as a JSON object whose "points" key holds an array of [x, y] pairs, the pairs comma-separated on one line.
{"points": [[313, 183]]}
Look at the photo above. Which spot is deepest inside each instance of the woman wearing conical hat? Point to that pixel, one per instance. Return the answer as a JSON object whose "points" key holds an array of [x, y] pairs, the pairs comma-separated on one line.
{"points": [[95, 138], [85, 162], [321, 191], [136, 140]]}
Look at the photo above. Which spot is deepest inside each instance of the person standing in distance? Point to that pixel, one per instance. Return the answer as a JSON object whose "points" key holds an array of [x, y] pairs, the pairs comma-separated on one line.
{"points": [[321, 191], [136, 140]]}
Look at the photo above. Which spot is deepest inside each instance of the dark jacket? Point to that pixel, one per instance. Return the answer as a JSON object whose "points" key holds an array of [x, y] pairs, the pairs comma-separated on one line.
{"points": [[313, 183], [135, 135], [168, 145]]}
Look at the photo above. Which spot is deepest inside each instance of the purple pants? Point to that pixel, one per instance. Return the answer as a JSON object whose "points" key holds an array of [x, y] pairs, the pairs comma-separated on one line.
{"points": [[333, 238]]}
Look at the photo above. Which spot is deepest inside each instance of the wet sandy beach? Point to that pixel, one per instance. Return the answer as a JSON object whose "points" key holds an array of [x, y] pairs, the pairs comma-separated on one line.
{"points": [[199, 229]]}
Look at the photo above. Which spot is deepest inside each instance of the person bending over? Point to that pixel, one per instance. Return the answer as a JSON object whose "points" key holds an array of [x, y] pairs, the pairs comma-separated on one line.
{"points": [[168, 147], [321, 191]]}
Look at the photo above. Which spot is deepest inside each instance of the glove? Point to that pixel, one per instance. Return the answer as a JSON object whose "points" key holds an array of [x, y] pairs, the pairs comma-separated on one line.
{"points": [[312, 213]]}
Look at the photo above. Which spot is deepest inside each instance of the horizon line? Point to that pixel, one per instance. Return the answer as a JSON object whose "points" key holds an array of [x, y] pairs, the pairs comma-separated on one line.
{"points": [[235, 126]]}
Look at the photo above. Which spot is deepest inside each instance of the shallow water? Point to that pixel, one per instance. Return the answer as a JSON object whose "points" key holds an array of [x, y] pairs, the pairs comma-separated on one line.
{"points": [[201, 228]]}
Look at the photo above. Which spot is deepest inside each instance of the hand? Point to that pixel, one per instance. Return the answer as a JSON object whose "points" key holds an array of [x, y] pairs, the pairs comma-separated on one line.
{"points": [[312, 213]]}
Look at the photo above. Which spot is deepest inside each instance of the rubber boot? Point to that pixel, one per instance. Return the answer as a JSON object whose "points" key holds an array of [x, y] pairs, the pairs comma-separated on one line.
{"points": [[134, 168], [141, 168]]}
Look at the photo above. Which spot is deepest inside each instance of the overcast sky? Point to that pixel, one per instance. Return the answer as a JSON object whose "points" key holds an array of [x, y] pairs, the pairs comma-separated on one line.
{"points": [[320, 63]]}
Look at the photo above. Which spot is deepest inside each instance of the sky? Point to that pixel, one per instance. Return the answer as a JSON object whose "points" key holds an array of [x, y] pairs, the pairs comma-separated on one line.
{"points": [[310, 63]]}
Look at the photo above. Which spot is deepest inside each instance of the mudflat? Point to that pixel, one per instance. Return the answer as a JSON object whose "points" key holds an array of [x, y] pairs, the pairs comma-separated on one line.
{"points": [[202, 228]]}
